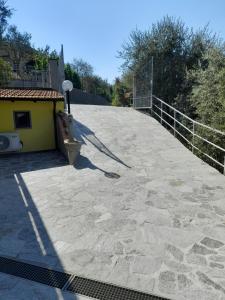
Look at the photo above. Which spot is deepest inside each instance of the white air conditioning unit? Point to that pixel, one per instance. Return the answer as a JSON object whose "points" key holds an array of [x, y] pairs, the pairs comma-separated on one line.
{"points": [[10, 142]]}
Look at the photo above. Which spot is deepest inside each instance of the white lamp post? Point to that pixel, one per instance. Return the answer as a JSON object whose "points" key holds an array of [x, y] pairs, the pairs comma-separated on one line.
{"points": [[67, 87]]}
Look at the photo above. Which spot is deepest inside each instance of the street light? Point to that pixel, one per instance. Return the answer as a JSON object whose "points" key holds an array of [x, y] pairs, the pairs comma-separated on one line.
{"points": [[67, 87]]}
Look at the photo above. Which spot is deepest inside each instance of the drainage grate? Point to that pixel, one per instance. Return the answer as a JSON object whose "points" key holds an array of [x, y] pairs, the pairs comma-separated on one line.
{"points": [[80, 285], [31, 272], [106, 291]]}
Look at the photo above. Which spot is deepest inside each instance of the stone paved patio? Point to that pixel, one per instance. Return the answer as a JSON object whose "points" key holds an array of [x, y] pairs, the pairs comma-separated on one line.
{"points": [[159, 228]]}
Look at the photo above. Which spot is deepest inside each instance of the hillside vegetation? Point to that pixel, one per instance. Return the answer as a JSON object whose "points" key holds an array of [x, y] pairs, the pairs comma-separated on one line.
{"points": [[189, 72]]}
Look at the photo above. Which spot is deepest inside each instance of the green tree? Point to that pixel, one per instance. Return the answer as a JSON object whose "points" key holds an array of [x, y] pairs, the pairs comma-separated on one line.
{"points": [[90, 82], [42, 56], [189, 73], [120, 94], [200, 43], [98, 86], [5, 73], [127, 80], [71, 75], [19, 45], [208, 93], [102, 88], [85, 71], [167, 41], [208, 98], [5, 13], [176, 49], [83, 68]]}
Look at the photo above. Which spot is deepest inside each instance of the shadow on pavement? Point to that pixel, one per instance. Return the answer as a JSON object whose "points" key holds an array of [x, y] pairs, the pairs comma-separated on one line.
{"points": [[23, 234], [82, 133], [85, 163]]}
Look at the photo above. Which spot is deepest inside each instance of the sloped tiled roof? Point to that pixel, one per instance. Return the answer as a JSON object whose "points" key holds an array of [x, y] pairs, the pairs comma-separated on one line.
{"points": [[30, 94]]}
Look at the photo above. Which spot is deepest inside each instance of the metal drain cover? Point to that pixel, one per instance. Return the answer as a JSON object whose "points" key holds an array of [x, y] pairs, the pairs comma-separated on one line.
{"points": [[66, 282], [105, 291], [31, 272], [112, 175]]}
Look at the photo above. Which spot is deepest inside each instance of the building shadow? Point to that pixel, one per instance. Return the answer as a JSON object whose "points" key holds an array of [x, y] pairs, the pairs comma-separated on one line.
{"points": [[23, 234], [83, 133], [27, 162]]}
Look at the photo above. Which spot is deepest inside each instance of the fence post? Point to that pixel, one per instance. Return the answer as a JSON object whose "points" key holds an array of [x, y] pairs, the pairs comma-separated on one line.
{"points": [[151, 82], [161, 111], [174, 125], [193, 138], [224, 166], [151, 105], [134, 90]]}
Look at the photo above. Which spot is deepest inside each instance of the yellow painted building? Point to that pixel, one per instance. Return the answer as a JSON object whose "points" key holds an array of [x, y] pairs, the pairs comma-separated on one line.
{"points": [[31, 113]]}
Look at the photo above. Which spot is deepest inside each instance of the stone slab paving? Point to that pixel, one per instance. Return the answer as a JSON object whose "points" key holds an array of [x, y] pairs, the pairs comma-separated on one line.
{"points": [[159, 227]]}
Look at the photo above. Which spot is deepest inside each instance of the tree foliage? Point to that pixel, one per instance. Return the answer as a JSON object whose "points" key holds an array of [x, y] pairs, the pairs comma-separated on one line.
{"points": [[208, 94], [5, 14], [82, 67], [85, 72], [5, 72], [19, 44], [42, 57], [21, 51], [98, 86], [189, 73], [90, 82], [175, 49], [72, 75], [167, 43], [120, 94], [208, 98]]}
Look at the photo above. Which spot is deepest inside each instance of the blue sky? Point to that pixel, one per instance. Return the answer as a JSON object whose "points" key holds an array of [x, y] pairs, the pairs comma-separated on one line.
{"points": [[95, 29]]}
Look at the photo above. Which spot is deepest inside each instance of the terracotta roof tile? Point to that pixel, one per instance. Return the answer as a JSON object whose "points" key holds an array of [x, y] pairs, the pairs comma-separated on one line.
{"points": [[29, 94]]}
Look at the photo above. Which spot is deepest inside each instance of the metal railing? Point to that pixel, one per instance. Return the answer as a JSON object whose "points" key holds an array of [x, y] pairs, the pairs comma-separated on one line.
{"points": [[174, 116]]}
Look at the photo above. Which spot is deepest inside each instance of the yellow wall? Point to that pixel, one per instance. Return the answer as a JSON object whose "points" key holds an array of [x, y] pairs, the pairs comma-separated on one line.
{"points": [[41, 135]]}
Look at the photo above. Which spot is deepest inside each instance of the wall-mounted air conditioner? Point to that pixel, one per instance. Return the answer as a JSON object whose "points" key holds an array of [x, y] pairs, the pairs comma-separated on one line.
{"points": [[10, 142]]}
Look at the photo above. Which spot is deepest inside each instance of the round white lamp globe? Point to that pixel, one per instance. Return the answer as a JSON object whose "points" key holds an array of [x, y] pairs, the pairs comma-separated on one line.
{"points": [[67, 86]]}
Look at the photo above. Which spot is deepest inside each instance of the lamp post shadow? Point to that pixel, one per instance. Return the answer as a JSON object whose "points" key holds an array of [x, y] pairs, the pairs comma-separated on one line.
{"points": [[82, 133]]}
